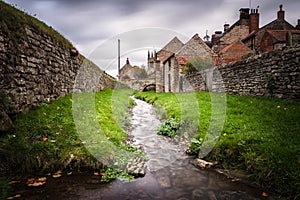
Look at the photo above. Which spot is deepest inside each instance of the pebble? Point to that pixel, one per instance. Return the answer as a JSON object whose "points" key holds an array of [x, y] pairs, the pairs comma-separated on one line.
{"points": [[136, 167]]}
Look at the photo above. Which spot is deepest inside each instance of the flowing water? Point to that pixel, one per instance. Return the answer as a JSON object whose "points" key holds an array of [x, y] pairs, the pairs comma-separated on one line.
{"points": [[170, 173]]}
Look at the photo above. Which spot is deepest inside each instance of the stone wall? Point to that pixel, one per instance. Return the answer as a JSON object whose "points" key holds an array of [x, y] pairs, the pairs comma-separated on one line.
{"points": [[275, 73], [37, 68], [139, 84]]}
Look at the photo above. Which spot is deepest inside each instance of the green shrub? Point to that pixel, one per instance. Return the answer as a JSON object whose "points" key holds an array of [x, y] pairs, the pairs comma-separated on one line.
{"points": [[189, 69], [169, 127]]}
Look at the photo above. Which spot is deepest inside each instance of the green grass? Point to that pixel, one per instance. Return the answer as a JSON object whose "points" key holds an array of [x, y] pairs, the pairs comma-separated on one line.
{"points": [[14, 21], [48, 138], [260, 135]]}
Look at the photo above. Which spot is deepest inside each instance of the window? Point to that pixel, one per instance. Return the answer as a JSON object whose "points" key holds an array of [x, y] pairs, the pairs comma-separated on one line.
{"points": [[180, 84]]}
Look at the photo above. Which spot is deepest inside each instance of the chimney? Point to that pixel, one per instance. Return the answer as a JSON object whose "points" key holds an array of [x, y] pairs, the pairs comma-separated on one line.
{"points": [[215, 37], [280, 13], [254, 20], [298, 25], [226, 27], [244, 13], [218, 33]]}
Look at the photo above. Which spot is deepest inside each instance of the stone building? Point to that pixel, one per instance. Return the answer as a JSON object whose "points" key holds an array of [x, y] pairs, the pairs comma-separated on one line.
{"points": [[273, 35], [155, 60], [227, 44], [276, 39], [239, 30], [170, 65], [255, 38], [242, 39], [128, 72]]}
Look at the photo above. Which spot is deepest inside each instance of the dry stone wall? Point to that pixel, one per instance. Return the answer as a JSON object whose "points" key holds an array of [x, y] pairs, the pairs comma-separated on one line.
{"points": [[36, 68], [275, 73]]}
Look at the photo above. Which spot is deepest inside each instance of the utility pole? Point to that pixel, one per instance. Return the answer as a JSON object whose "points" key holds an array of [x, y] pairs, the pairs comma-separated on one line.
{"points": [[119, 57]]}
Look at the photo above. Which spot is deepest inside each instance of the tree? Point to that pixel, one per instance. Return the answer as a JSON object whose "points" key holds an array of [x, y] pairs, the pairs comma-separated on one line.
{"points": [[189, 69], [197, 64], [201, 63]]}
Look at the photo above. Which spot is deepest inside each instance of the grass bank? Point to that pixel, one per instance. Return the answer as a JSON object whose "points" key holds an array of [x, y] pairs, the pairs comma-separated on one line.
{"points": [[260, 135], [48, 139]]}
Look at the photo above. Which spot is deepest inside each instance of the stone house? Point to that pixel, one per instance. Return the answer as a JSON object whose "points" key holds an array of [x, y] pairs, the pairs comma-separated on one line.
{"points": [[169, 71], [155, 60], [227, 44], [241, 39], [239, 30], [128, 72], [255, 38], [276, 39]]}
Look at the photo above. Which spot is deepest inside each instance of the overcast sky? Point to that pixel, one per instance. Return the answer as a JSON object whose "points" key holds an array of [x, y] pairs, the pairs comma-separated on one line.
{"points": [[94, 26]]}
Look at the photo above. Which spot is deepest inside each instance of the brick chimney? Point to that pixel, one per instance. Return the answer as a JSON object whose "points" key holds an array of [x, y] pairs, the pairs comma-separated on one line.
{"points": [[254, 20], [298, 25], [280, 13], [215, 37]]}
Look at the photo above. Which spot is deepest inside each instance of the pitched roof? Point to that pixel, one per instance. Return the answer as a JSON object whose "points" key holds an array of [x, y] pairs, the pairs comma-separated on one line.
{"points": [[280, 35], [239, 44], [195, 47], [273, 25], [173, 46], [163, 55], [234, 52], [126, 67]]}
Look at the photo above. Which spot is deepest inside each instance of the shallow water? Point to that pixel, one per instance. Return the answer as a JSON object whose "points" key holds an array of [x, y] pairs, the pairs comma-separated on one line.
{"points": [[170, 173]]}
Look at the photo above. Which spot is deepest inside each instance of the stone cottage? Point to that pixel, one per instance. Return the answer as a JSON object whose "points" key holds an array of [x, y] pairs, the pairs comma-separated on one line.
{"points": [[273, 35], [170, 65], [255, 40], [155, 61], [239, 30], [128, 72], [228, 44], [240, 40], [276, 39]]}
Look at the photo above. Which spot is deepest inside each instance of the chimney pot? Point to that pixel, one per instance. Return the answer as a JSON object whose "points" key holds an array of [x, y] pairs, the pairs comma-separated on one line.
{"points": [[244, 13], [280, 13], [254, 20], [226, 26], [298, 25]]}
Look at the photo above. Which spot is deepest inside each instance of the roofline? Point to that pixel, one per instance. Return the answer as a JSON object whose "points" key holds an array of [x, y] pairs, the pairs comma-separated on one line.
{"points": [[172, 55]]}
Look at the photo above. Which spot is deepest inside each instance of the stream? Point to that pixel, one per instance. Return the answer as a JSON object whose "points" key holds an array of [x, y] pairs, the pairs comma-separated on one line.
{"points": [[170, 173]]}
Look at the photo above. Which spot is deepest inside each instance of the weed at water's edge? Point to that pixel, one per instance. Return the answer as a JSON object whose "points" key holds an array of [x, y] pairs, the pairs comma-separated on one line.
{"points": [[169, 127]]}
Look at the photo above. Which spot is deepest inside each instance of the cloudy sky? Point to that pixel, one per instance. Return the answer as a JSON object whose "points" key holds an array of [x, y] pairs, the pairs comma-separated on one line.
{"points": [[94, 26]]}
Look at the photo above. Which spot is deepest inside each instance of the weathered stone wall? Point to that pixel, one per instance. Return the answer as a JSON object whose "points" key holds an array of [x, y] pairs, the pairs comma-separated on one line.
{"points": [[36, 68], [275, 73]]}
